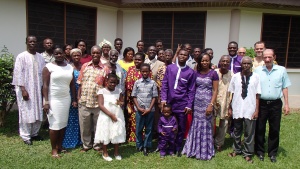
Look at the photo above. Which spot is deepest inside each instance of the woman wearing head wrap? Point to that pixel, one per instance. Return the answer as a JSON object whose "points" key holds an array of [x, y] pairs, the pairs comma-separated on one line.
{"points": [[72, 134], [105, 45]]}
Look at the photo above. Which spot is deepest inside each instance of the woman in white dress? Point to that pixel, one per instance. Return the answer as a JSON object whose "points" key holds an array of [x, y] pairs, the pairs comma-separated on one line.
{"points": [[111, 123], [57, 82]]}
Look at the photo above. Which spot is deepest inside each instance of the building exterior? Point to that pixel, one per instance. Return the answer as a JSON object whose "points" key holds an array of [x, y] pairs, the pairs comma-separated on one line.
{"points": [[203, 23]]}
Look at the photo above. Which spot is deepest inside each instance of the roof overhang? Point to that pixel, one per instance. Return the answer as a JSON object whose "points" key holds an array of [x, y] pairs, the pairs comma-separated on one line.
{"points": [[266, 4]]}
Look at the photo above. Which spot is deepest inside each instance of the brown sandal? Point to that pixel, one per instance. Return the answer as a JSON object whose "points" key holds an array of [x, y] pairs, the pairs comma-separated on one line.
{"points": [[233, 154], [249, 159], [63, 151], [55, 156]]}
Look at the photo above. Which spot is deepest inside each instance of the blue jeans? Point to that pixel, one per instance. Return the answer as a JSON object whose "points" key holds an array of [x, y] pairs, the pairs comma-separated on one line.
{"points": [[141, 122]]}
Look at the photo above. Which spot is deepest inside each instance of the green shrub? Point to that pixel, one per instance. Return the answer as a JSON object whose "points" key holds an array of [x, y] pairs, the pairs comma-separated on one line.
{"points": [[250, 52], [7, 93]]}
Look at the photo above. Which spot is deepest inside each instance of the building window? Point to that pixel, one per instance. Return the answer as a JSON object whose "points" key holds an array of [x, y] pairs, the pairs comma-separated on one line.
{"points": [[62, 22], [174, 28], [282, 33]]}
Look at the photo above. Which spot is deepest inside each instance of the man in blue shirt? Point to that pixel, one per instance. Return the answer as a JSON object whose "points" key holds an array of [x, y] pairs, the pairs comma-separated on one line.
{"points": [[274, 83]]}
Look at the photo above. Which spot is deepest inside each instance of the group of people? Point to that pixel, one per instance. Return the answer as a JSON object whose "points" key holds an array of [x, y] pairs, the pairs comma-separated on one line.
{"points": [[114, 96]]}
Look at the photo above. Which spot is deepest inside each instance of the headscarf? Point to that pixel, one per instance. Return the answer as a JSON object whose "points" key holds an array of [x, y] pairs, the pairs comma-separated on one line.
{"points": [[104, 42], [75, 50]]}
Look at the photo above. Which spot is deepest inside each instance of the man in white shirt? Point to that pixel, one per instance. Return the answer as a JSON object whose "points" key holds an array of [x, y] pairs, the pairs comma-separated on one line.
{"points": [[245, 89]]}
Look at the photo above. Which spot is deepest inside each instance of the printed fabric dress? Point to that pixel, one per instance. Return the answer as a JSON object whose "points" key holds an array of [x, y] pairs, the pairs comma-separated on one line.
{"points": [[72, 133], [199, 143], [108, 131]]}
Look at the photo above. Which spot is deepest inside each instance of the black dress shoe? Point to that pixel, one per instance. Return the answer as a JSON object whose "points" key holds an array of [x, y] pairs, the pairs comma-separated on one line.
{"points": [[261, 157], [145, 152], [37, 138], [273, 159], [28, 142]]}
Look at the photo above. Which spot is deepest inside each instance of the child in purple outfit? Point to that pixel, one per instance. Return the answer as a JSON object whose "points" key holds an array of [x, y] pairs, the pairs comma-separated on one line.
{"points": [[167, 128]]}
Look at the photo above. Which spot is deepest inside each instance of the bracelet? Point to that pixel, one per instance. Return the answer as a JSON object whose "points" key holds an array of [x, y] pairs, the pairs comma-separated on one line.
{"points": [[46, 102], [211, 104]]}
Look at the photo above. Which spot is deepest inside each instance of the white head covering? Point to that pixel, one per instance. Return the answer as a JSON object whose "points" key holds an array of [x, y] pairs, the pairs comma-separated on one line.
{"points": [[104, 42], [75, 50]]}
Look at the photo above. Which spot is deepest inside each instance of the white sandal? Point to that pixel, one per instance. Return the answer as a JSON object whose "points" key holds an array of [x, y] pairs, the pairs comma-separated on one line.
{"points": [[118, 157], [108, 158]]}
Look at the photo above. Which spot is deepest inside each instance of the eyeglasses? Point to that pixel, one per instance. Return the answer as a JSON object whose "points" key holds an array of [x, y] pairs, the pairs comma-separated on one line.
{"points": [[242, 52]]}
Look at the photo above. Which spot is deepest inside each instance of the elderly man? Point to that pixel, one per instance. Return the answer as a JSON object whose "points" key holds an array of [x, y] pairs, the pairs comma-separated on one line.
{"points": [[116, 68], [28, 85], [90, 80], [274, 84], [245, 89], [242, 51]]}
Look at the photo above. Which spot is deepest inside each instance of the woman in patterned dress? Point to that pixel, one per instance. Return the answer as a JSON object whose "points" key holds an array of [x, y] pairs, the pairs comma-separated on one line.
{"points": [[133, 74], [199, 143], [72, 134]]}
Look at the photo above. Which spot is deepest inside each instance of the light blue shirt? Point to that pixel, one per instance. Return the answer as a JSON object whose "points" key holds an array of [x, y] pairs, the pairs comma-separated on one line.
{"points": [[272, 82]]}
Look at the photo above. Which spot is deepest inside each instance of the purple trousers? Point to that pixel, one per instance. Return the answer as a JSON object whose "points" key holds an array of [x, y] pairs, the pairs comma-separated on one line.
{"points": [[166, 144], [181, 120]]}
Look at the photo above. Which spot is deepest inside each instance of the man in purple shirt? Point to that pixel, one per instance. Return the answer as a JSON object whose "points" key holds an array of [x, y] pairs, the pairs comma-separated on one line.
{"points": [[235, 60], [178, 90]]}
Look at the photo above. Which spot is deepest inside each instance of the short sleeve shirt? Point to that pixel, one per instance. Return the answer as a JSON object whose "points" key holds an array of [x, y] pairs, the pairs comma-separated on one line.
{"points": [[144, 90], [272, 82]]}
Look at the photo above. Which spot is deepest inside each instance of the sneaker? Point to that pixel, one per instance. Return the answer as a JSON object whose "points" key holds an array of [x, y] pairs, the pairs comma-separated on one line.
{"points": [[108, 158], [118, 157]]}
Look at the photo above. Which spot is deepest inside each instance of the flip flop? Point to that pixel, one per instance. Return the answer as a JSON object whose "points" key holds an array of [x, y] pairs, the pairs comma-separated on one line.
{"points": [[233, 154], [63, 151], [55, 156], [249, 159]]}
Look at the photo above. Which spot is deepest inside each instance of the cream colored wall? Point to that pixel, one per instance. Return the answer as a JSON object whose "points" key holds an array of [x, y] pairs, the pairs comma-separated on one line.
{"points": [[217, 32], [250, 28], [106, 25], [132, 28], [13, 25]]}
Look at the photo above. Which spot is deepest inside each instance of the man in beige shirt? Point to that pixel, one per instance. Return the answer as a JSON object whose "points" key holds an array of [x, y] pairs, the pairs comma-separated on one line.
{"points": [[153, 62], [154, 66], [259, 47]]}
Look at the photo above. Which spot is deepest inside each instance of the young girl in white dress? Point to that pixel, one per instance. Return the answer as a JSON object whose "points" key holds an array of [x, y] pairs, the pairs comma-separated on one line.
{"points": [[111, 123]]}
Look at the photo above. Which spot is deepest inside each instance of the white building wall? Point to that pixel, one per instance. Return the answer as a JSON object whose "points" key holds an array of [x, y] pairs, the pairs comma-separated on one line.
{"points": [[13, 25], [250, 28], [132, 28], [106, 25], [217, 32]]}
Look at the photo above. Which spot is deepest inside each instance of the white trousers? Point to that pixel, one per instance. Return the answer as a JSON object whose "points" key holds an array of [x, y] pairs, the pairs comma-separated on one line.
{"points": [[28, 130]]}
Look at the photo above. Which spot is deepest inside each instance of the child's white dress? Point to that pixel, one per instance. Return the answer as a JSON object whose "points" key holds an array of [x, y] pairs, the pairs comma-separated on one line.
{"points": [[108, 131]]}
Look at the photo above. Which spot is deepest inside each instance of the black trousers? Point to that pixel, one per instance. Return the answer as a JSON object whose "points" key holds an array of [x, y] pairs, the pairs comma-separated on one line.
{"points": [[268, 111]]}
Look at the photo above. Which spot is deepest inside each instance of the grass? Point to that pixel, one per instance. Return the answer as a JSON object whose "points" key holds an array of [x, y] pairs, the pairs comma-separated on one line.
{"points": [[15, 154]]}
